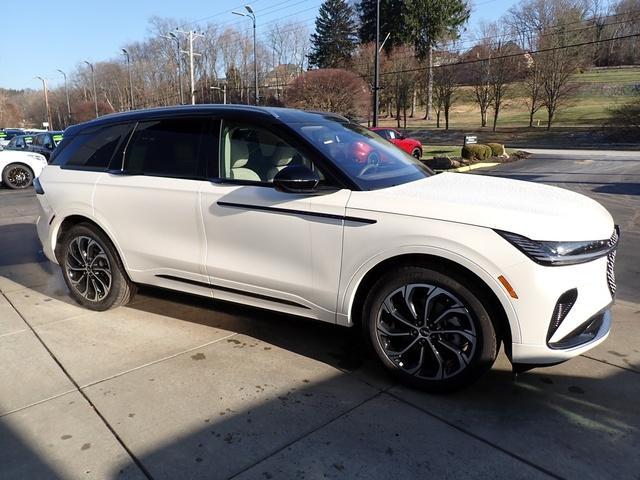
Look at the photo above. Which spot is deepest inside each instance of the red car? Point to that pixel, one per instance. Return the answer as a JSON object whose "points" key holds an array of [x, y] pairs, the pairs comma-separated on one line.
{"points": [[409, 145]]}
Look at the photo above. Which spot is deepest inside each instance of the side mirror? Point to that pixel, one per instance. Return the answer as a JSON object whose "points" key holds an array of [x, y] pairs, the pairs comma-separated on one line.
{"points": [[296, 179]]}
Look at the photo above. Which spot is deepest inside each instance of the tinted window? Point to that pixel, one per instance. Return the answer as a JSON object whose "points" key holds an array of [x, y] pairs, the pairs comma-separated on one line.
{"points": [[177, 147], [92, 149]]}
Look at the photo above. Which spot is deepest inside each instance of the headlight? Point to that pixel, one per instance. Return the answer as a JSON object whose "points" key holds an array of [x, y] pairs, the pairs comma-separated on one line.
{"points": [[561, 253]]}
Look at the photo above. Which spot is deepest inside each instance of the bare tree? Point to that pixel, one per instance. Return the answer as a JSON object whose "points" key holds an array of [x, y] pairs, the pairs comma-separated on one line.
{"points": [[532, 85], [331, 90], [445, 91], [481, 80]]}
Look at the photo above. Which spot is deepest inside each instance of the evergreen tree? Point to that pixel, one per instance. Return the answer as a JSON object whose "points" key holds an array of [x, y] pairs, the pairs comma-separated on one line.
{"points": [[335, 38], [430, 21], [392, 20]]}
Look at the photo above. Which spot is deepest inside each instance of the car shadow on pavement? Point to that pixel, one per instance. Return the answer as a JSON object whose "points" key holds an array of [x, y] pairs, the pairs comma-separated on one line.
{"points": [[554, 418], [19, 244]]}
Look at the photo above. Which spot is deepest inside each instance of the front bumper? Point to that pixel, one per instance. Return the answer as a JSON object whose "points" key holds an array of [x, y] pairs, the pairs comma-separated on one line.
{"points": [[563, 311], [540, 355]]}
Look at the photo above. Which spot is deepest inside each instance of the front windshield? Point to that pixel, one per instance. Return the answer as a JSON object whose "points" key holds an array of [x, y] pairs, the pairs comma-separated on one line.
{"points": [[369, 160]]}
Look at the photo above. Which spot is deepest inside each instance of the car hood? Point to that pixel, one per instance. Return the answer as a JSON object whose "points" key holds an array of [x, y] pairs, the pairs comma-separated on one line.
{"points": [[539, 212]]}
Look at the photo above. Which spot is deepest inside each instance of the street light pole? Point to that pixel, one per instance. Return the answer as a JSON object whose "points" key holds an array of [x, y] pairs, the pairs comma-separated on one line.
{"points": [[174, 37], [250, 13], [224, 92], [93, 81], [376, 75], [46, 100], [124, 52], [192, 36], [66, 88]]}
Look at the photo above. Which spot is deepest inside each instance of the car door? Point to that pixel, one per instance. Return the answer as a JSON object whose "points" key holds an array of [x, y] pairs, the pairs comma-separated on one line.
{"points": [[150, 201], [266, 247]]}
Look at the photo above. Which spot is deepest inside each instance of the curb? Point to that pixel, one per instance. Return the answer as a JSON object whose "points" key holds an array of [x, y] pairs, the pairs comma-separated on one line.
{"points": [[474, 166]]}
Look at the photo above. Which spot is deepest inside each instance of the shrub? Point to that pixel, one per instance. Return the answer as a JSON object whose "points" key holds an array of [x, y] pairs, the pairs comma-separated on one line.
{"points": [[497, 149], [476, 152]]}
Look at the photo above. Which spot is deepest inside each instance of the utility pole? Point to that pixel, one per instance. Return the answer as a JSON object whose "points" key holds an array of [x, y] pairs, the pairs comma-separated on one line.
{"points": [[192, 36], [172, 36], [66, 88], [251, 14], [124, 52], [46, 101], [376, 74], [93, 81]]}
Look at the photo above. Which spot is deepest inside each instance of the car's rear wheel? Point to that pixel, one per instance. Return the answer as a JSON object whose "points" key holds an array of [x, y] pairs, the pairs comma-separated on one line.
{"points": [[417, 153], [17, 176], [429, 329], [92, 269]]}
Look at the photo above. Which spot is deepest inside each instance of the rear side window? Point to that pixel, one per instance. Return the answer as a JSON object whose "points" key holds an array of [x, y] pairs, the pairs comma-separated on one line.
{"points": [[176, 147], [91, 150]]}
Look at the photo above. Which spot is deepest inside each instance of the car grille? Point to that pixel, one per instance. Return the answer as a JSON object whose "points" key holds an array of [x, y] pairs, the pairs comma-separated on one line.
{"points": [[611, 260]]}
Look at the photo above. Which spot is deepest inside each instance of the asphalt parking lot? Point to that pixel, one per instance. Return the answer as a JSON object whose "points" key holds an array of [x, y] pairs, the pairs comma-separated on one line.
{"points": [[176, 386]]}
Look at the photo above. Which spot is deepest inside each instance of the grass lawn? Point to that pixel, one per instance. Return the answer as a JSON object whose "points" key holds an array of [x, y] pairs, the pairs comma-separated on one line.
{"points": [[612, 75], [597, 92], [430, 151]]}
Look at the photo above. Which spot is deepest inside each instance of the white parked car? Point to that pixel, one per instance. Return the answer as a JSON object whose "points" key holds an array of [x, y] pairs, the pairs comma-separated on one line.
{"points": [[312, 215], [19, 169]]}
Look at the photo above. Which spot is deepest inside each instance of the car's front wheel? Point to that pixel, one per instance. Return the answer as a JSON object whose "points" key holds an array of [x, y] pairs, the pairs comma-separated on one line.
{"points": [[92, 269], [417, 153], [429, 329], [17, 176]]}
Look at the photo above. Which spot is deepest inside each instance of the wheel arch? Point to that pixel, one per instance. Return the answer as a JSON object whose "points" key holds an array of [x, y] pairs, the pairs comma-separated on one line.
{"points": [[75, 219], [506, 325]]}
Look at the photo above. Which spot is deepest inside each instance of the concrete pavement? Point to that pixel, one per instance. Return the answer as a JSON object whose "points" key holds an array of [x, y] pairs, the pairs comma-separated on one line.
{"points": [[173, 385]]}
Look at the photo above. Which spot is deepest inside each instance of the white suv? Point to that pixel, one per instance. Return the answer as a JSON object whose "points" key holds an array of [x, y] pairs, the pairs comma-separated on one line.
{"points": [[312, 215]]}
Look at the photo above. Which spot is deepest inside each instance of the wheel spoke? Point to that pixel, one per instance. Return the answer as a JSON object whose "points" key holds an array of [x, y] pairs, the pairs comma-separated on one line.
{"points": [[417, 368], [407, 295], [456, 351], [456, 309], [73, 254], [431, 296], [388, 333], [391, 310], [464, 333], [436, 354], [394, 354], [104, 285]]}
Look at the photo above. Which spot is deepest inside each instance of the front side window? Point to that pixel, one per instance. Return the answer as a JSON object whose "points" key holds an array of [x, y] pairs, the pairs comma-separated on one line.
{"points": [[91, 150], [369, 160], [250, 153], [176, 147]]}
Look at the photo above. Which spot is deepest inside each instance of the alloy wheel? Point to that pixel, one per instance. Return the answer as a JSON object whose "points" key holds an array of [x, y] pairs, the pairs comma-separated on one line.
{"points": [[426, 331], [19, 177], [88, 268]]}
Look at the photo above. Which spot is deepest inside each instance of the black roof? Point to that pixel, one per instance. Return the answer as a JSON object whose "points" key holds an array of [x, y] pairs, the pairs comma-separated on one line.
{"points": [[248, 112]]}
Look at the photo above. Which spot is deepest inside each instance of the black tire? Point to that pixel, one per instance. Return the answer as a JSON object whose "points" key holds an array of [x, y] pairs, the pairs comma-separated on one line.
{"points": [[89, 272], [17, 176], [454, 307], [417, 153]]}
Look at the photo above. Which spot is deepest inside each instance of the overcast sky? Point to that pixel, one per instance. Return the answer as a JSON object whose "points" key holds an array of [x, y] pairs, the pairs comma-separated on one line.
{"points": [[38, 37]]}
